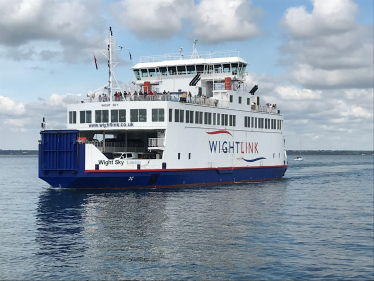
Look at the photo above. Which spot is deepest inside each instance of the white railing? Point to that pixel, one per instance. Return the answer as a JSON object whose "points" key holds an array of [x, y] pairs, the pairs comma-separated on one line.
{"points": [[174, 97], [183, 56], [115, 144], [267, 109], [156, 142]]}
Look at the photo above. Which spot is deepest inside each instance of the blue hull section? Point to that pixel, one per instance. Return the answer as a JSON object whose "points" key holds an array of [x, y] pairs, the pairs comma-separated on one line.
{"points": [[62, 166], [159, 179]]}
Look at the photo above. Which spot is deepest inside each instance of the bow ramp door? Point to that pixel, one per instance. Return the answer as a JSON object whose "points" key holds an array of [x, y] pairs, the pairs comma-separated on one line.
{"points": [[59, 150]]}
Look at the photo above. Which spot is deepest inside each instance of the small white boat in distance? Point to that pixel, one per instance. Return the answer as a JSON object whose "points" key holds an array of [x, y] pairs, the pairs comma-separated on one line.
{"points": [[299, 158]]}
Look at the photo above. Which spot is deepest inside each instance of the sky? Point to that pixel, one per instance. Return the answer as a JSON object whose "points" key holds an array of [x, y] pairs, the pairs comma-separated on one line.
{"points": [[313, 58]]}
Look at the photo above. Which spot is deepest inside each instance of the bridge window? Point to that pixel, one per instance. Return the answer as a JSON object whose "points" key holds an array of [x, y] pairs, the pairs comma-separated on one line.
{"points": [[144, 72], [234, 68], [85, 117], [101, 116], [191, 69], [172, 70], [152, 72], [137, 74], [181, 69], [218, 118], [242, 68], [214, 118], [217, 68], [138, 115], [231, 98], [248, 101], [240, 100], [72, 117], [200, 68], [157, 115], [163, 71], [170, 115], [226, 68]]}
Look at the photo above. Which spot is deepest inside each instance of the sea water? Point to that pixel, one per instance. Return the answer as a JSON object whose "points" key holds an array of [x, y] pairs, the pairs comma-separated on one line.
{"points": [[315, 223]]}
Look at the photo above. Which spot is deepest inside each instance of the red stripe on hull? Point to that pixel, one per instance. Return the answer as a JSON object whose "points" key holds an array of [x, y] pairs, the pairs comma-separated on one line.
{"points": [[176, 170]]}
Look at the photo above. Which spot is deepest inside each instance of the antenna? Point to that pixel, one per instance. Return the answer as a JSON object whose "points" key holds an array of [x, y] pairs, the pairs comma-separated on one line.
{"points": [[194, 55], [112, 55], [43, 124], [180, 51]]}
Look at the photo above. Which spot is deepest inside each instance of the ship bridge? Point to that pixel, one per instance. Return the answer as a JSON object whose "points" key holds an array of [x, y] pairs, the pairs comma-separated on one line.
{"points": [[198, 74]]}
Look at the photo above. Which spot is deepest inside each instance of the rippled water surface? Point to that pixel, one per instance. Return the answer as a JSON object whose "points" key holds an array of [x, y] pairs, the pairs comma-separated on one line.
{"points": [[315, 223]]}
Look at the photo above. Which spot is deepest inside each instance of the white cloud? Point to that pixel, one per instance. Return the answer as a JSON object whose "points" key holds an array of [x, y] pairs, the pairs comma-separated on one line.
{"points": [[328, 18], [294, 93], [15, 122], [9, 107], [221, 20], [327, 48], [64, 22], [213, 21], [150, 18], [20, 122]]}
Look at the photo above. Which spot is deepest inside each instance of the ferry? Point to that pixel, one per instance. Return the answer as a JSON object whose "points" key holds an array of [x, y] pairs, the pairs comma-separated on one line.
{"points": [[186, 120]]}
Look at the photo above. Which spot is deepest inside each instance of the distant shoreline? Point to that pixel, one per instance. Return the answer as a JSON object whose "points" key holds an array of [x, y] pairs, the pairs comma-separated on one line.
{"points": [[289, 152], [330, 152]]}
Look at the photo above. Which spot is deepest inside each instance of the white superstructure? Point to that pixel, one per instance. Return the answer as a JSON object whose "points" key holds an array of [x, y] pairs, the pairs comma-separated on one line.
{"points": [[201, 115]]}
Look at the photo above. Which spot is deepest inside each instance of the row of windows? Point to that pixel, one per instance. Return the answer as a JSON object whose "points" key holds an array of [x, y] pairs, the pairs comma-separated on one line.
{"points": [[233, 68], [200, 117], [158, 115], [263, 123], [117, 115], [239, 100]]}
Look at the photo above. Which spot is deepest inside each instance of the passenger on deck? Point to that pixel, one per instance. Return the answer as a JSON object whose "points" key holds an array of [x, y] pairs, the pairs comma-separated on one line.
{"points": [[100, 98], [140, 93], [164, 92], [120, 96]]}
